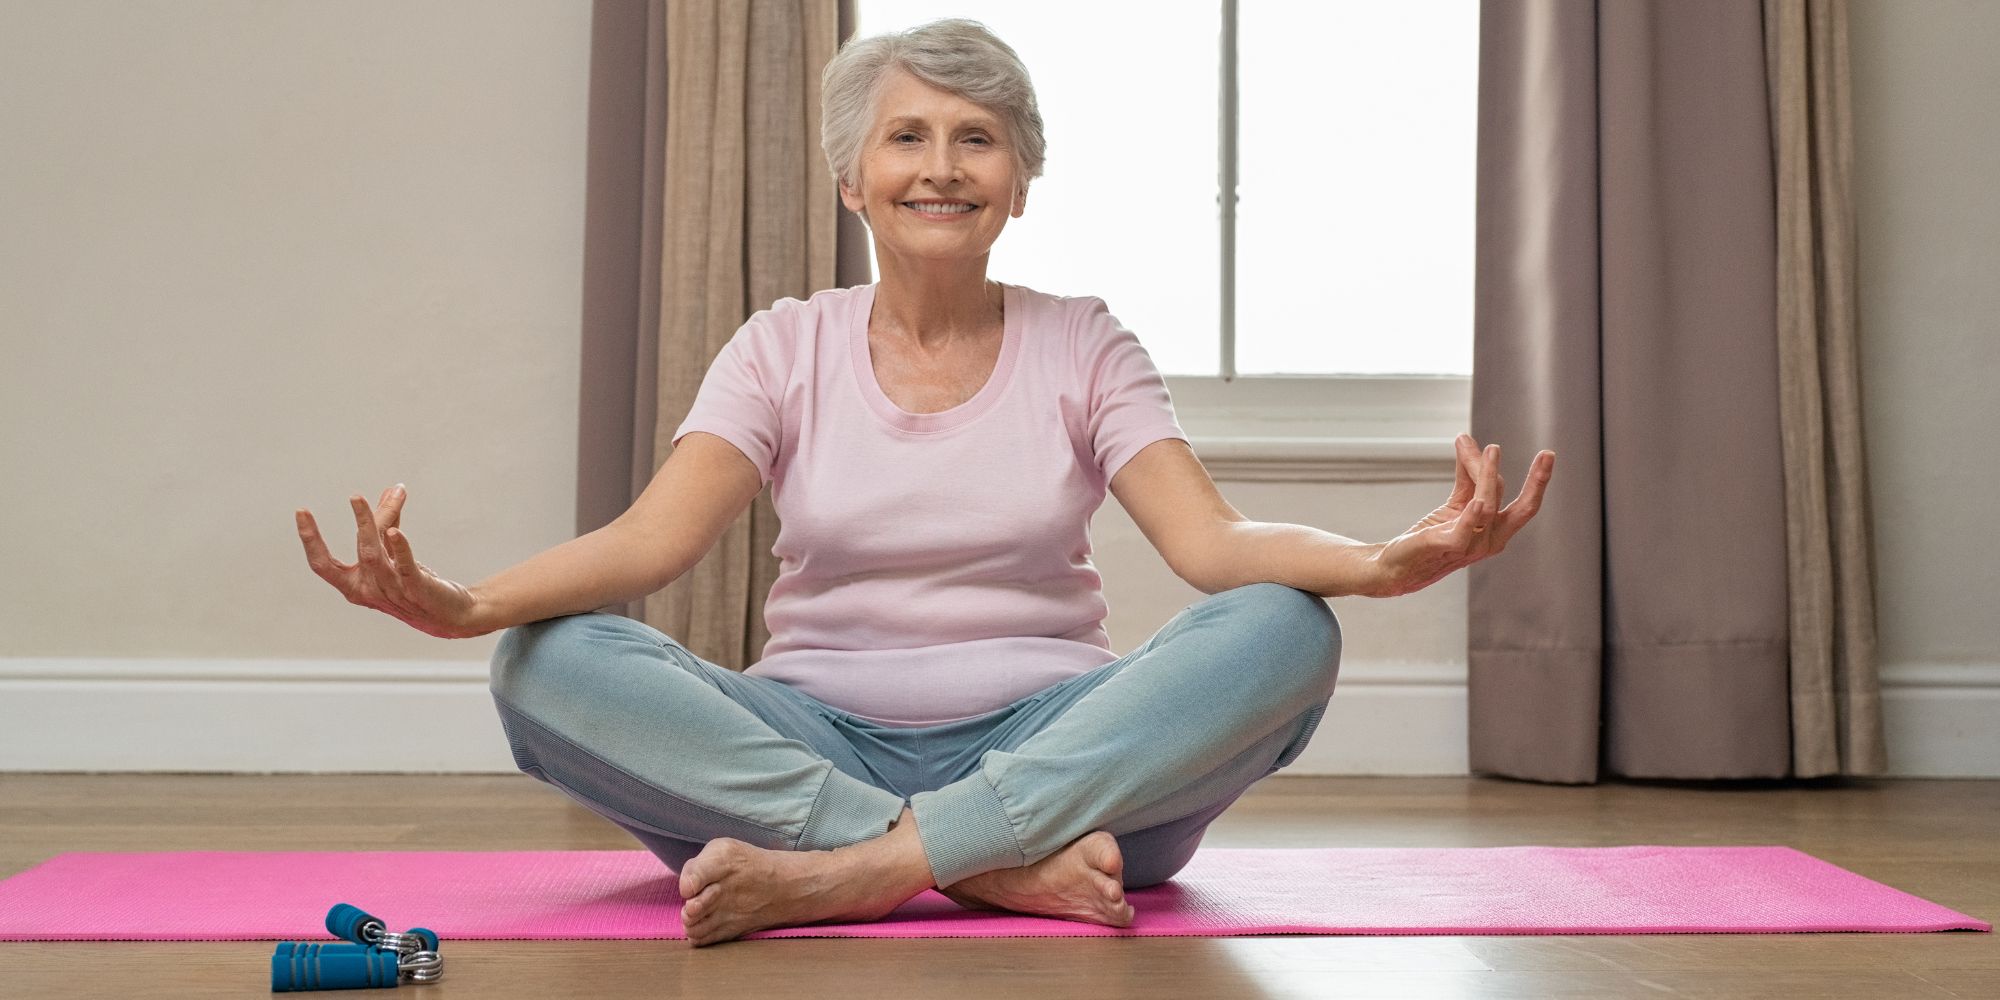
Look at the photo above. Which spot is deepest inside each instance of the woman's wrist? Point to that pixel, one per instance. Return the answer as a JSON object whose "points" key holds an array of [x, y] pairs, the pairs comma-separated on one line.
{"points": [[484, 616]]}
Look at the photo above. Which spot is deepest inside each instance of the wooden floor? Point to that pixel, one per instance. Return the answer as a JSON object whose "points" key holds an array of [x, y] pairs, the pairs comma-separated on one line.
{"points": [[1937, 839]]}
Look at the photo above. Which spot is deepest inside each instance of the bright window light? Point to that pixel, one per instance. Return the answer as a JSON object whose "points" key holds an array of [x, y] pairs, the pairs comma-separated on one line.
{"points": [[1354, 218]]}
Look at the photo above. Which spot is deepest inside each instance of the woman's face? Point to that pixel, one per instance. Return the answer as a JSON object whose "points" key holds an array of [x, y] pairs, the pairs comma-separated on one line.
{"points": [[930, 146]]}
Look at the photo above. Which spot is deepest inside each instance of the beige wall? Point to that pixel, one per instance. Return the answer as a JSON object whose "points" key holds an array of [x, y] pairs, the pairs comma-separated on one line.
{"points": [[257, 256], [1927, 133]]}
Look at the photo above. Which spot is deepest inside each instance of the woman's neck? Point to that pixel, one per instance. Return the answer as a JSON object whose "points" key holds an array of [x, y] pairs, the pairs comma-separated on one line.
{"points": [[934, 306]]}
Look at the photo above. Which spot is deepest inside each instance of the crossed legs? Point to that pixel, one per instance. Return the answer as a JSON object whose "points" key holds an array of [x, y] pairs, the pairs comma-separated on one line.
{"points": [[1107, 784]]}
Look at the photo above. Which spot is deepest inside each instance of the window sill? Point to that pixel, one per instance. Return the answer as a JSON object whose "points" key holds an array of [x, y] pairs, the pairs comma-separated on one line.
{"points": [[1325, 428], [1326, 459]]}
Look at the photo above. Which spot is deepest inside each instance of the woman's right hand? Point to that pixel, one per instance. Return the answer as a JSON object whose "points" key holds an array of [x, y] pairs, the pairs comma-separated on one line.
{"points": [[387, 576]]}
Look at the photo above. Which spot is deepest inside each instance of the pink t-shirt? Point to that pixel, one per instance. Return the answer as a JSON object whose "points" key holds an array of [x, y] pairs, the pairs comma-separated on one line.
{"points": [[933, 566]]}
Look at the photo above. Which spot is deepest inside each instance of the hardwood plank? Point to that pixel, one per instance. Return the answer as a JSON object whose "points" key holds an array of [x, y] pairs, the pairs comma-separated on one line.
{"points": [[961, 969]]}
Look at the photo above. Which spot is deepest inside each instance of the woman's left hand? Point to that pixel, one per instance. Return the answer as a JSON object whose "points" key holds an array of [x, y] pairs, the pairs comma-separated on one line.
{"points": [[1469, 527]]}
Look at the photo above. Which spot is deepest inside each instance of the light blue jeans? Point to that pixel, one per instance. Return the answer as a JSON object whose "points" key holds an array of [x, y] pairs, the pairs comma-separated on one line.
{"points": [[1151, 747]]}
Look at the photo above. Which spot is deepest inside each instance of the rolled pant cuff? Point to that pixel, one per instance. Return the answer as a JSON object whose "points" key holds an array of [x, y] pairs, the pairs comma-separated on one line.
{"points": [[848, 811], [965, 830]]}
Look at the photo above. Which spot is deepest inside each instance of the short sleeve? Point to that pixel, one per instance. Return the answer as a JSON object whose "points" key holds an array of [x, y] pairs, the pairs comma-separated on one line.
{"points": [[739, 396], [1129, 404]]}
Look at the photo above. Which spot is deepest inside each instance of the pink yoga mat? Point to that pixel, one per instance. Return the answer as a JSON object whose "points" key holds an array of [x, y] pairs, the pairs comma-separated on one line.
{"points": [[284, 895]]}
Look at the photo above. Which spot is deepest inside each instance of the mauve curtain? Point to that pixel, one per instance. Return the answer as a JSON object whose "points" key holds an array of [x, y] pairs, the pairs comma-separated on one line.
{"points": [[1664, 298], [706, 129]]}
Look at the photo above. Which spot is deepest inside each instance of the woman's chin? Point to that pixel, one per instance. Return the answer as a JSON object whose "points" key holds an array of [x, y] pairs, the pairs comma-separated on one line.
{"points": [[937, 253]]}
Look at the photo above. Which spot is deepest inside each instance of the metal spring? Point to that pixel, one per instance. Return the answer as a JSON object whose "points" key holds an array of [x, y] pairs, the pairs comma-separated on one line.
{"points": [[403, 944], [420, 966]]}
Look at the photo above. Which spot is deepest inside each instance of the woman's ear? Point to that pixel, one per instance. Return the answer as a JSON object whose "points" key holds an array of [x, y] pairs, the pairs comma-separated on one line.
{"points": [[850, 196], [1020, 202]]}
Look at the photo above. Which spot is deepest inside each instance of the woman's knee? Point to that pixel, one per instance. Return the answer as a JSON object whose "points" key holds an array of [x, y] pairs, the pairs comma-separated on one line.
{"points": [[535, 651], [1301, 626]]}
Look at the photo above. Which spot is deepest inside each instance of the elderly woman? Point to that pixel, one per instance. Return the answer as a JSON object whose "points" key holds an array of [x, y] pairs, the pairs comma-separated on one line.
{"points": [[938, 705]]}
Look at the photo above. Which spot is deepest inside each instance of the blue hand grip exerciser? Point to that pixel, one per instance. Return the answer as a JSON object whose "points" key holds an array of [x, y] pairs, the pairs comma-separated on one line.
{"points": [[345, 965], [350, 923]]}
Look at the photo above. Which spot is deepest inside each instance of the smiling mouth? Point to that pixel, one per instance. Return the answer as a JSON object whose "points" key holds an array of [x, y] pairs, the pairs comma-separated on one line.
{"points": [[951, 212]]}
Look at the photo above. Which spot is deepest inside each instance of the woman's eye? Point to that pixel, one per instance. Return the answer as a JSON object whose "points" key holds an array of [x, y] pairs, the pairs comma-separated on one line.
{"points": [[980, 138], [906, 135]]}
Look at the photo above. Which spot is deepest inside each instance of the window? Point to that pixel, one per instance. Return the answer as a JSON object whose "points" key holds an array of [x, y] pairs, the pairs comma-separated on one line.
{"points": [[1352, 146]]}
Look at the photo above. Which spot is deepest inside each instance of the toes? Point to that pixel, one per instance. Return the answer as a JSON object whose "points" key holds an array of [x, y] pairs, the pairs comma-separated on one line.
{"points": [[1102, 850], [1109, 887], [1109, 898], [695, 908], [715, 860], [712, 932], [1116, 909], [694, 878]]}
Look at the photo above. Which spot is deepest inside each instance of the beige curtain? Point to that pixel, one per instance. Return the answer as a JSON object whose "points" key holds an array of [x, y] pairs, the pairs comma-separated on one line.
{"points": [[737, 211], [1836, 697], [1664, 297]]}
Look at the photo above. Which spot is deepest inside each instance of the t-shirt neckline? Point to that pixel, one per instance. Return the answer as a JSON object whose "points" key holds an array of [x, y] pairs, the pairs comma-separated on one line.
{"points": [[924, 423]]}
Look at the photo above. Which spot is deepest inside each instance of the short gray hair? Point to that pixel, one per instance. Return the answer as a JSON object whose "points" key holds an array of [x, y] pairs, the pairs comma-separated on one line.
{"points": [[957, 55]]}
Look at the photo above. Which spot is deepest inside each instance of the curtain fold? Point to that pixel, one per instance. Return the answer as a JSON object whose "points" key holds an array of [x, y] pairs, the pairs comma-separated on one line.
{"points": [[1836, 695], [1660, 618], [737, 211], [748, 217]]}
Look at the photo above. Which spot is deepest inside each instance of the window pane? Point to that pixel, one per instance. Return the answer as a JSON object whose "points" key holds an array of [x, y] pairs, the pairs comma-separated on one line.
{"points": [[1355, 219], [1126, 206]]}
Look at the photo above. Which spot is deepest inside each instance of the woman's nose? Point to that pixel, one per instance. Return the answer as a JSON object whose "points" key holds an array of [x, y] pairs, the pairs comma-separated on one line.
{"points": [[942, 165]]}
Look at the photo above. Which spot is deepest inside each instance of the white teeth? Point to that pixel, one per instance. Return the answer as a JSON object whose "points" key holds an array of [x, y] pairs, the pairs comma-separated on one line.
{"points": [[938, 208]]}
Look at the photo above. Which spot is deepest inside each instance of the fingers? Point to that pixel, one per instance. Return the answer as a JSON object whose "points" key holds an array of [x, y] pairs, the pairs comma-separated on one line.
{"points": [[1479, 530], [1471, 524], [1524, 507], [1480, 486], [1468, 459], [408, 573], [1486, 497], [367, 540], [389, 513], [373, 556], [323, 564], [385, 575]]}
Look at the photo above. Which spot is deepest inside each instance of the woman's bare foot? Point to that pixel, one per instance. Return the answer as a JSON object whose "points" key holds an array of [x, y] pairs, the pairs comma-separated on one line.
{"points": [[733, 888], [1083, 881]]}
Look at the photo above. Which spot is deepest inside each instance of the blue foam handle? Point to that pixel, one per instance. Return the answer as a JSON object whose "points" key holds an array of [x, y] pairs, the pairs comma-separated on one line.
{"points": [[334, 965], [344, 922], [429, 937]]}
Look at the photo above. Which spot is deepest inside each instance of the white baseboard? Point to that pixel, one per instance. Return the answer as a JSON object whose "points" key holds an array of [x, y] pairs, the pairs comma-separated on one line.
{"points": [[1943, 720], [1391, 718], [251, 716]]}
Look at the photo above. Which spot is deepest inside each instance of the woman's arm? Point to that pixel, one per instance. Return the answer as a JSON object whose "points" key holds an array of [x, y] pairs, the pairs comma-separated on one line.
{"points": [[700, 490], [606, 566]]}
